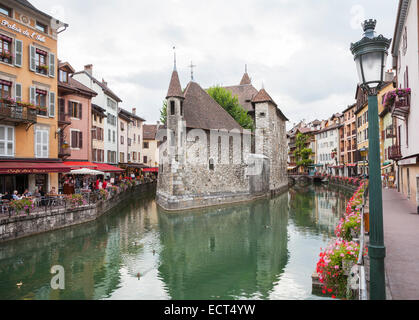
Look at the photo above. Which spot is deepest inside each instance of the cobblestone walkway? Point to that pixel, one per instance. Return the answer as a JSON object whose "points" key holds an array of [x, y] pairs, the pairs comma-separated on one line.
{"points": [[401, 237]]}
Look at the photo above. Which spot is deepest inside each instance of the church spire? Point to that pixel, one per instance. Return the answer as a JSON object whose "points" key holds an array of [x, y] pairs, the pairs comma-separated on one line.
{"points": [[175, 90], [245, 79]]}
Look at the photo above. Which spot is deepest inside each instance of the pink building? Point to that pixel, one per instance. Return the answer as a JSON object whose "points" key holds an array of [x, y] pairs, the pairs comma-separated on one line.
{"points": [[74, 116]]}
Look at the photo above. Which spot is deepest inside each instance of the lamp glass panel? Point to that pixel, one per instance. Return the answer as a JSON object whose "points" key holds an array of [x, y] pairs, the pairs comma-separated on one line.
{"points": [[358, 69], [371, 63]]}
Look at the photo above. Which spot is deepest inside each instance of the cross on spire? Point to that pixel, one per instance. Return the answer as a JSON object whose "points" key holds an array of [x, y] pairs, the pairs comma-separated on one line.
{"points": [[245, 68], [192, 66]]}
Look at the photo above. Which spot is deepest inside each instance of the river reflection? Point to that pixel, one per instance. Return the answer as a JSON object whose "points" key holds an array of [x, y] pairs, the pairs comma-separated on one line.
{"points": [[265, 249]]}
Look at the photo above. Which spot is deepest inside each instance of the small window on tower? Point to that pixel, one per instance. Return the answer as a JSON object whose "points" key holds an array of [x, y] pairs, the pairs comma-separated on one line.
{"points": [[172, 108], [211, 164], [181, 108], [262, 114]]}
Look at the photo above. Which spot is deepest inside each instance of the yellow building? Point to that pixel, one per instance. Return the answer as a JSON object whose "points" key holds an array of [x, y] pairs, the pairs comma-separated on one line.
{"points": [[384, 121], [28, 91]]}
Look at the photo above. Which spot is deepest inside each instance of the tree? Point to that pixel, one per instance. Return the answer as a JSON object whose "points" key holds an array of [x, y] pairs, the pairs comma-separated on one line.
{"points": [[302, 153], [163, 113], [231, 104]]}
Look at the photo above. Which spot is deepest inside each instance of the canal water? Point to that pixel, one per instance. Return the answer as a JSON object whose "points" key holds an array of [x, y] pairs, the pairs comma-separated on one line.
{"points": [[265, 249]]}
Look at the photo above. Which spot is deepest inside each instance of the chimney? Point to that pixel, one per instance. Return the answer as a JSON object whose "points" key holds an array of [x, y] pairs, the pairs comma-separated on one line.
{"points": [[104, 82], [134, 110], [89, 69]]}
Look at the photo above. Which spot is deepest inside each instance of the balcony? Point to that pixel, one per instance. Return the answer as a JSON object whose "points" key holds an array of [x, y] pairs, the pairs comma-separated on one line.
{"points": [[395, 153], [401, 106], [18, 114], [63, 119]]}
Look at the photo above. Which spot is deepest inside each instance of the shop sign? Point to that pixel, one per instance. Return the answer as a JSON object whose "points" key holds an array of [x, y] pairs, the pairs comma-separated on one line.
{"points": [[27, 32]]}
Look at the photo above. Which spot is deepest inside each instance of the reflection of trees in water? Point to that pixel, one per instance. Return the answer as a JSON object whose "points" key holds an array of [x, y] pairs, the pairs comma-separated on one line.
{"points": [[225, 252], [317, 208], [90, 254]]}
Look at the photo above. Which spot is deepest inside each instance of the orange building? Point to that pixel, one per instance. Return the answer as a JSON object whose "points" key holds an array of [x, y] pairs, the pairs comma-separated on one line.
{"points": [[28, 90]]}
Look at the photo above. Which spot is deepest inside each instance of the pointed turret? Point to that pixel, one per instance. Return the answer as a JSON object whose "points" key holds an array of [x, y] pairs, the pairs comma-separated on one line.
{"points": [[263, 96], [245, 80], [175, 90]]}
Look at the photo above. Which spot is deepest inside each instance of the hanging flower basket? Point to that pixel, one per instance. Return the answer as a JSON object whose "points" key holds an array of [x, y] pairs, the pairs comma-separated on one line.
{"points": [[391, 97]]}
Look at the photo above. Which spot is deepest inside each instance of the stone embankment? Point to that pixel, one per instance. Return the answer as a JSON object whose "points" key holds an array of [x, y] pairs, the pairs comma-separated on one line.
{"points": [[19, 226]]}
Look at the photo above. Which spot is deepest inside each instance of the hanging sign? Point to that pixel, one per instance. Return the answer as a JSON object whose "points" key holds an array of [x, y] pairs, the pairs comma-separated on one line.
{"points": [[28, 33]]}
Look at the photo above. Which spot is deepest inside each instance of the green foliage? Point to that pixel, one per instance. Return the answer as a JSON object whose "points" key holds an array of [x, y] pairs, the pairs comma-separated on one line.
{"points": [[163, 112], [302, 154], [231, 104]]}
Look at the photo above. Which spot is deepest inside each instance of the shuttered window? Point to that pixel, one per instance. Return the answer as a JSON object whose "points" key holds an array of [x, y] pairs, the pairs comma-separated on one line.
{"points": [[42, 143], [18, 53], [18, 92], [76, 139]]}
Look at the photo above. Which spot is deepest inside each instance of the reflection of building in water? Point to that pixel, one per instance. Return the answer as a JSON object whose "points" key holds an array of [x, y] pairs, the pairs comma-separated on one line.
{"points": [[317, 208], [229, 252]]}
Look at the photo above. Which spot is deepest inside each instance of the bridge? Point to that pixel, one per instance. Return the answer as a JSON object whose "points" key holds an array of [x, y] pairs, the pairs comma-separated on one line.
{"points": [[304, 178]]}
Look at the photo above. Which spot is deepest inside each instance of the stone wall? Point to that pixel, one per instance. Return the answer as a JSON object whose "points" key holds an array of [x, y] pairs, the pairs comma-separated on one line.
{"points": [[21, 226]]}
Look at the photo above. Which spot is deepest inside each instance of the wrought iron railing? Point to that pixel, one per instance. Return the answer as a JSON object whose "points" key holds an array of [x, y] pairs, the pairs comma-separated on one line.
{"points": [[17, 113], [362, 291], [395, 152]]}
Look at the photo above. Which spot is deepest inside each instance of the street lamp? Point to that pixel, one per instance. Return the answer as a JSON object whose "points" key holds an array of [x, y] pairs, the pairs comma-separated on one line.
{"points": [[370, 54]]}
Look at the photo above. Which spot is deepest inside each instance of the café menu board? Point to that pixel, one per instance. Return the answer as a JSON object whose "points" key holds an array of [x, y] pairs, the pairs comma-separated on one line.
{"points": [[29, 33]]}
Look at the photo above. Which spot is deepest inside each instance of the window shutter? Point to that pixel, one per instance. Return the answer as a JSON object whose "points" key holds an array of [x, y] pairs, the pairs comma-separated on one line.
{"points": [[52, 65], [73, 139], [80, 111], [52, 104], [80, 140], [18, 53], [45, 143], [32, 58], [32, 96], [18, 92], [70, 112], [37, 144]]}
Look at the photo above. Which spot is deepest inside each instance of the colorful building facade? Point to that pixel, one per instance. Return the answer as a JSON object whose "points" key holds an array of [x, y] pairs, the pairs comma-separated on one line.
{"points": [[29, 129]]}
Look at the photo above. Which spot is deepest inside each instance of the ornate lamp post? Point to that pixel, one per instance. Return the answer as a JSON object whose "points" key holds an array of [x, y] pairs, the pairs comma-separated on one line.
{"points": [[370, 54]]}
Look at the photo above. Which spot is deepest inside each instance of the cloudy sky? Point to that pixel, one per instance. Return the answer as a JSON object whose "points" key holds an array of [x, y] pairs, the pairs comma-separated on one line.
{"points": [[299, 50]]}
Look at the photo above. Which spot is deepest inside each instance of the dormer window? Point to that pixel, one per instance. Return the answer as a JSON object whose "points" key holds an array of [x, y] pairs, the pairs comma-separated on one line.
{"points": [[63, 76], [41, 27], [5, 10]]}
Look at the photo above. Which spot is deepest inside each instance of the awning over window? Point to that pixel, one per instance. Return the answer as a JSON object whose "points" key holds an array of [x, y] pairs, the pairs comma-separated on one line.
{"points": [[107, 168], [150, 169], [80, 164], [16, 167]]}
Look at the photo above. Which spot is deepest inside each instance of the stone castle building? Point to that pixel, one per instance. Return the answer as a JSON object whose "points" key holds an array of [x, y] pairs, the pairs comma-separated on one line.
{"points": [[207, 158]]}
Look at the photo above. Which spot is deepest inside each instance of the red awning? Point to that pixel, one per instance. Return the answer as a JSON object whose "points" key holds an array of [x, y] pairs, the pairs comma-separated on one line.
{"points": [[80, 164], [150, 169], [104, 167], [32, 167]]}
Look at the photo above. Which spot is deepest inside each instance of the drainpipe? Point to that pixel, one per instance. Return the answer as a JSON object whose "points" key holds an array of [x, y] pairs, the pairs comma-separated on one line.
{"points": [[417, 192]]}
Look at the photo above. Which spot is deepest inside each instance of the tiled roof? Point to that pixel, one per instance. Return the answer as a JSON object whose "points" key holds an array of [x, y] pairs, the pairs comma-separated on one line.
{"points": [[203, 112], [175, 90], [104, 87], [76, 86], [99, 110], [27, 4], [149, 131], [130, 114], [263, 96], [245, 94], [245, 79]]}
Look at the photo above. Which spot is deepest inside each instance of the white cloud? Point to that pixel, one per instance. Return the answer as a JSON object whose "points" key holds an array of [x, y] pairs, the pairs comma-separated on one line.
{"points": [[298, 49]]}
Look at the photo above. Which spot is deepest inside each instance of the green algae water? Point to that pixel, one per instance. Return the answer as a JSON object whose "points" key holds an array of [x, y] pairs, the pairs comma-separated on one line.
{"points": [[266, 249]]}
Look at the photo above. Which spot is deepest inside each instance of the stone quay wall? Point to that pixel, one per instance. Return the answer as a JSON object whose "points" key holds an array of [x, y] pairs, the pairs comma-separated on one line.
{"points": [[17, 227]]}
